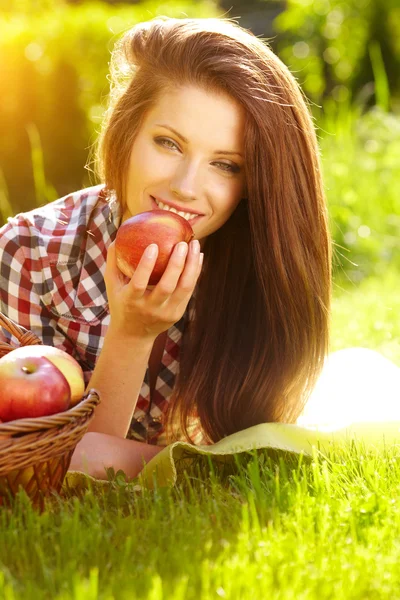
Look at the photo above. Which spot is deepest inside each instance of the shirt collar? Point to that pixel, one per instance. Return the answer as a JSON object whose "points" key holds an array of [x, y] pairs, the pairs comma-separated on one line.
{"points": [[103, 226]]}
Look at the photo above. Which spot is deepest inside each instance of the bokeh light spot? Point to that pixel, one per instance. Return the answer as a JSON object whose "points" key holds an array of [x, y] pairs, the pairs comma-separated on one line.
{"points": [[340, 93], [364, 231], [321, 7], [96, 113], [33, 51], [301, 49], [331, 55], [350, 238], [372, 146]]}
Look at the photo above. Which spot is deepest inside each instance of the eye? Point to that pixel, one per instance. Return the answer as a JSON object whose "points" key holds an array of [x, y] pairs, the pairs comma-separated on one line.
{"points": [[166, 143], [228, 167]]}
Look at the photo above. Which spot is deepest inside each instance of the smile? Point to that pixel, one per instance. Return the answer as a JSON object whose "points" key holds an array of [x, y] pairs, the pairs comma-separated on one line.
{"points": [[186, 215]]}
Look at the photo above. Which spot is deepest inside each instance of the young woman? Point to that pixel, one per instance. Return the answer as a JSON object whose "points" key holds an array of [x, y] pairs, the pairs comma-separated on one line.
{"points": [[203, 119]]}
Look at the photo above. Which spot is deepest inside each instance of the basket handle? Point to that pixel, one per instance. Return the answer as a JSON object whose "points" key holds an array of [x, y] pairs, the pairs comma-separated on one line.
{"points": [[25, 338]]}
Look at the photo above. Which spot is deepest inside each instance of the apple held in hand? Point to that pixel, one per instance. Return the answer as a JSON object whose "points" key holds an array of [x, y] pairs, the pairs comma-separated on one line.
{"points": [[66, 363], [161, 227], [31, 387]]}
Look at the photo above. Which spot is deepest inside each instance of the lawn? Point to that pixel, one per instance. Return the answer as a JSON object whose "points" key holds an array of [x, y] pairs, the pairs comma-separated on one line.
{"points": [[368, 315], [277, 526]]}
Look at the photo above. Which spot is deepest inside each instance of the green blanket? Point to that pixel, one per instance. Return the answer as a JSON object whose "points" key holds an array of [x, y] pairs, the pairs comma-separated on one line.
{"points": [[166, 468]]}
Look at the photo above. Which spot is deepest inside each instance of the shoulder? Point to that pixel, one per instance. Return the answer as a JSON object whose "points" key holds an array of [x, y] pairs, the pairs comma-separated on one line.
{"points": [[58, 252], [56, 231]]}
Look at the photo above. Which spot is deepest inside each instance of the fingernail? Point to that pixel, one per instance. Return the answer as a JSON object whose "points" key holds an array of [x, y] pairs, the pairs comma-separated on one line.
{"points": [[181, 250], [195, 246], [151, 251]]}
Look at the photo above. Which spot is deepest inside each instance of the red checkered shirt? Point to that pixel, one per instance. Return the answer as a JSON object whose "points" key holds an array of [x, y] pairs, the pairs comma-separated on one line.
{"points": [[52, 263]]}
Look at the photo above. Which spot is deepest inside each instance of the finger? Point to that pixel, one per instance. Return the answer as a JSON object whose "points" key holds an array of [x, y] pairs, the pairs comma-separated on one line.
{"points": [[191, 273], [201, 259], [112, 275], [169, 280], [140, 278], [188, 279]]}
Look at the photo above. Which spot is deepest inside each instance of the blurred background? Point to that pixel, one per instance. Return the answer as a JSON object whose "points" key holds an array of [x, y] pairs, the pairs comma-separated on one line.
{"points": [[344, 54]]}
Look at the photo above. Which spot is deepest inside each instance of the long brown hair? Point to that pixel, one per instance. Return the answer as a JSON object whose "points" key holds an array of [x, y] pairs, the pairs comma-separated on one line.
{"points": [[257, 342]]}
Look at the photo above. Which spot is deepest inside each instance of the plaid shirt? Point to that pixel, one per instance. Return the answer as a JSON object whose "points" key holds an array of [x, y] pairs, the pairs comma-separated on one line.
{"points": [[52, 263]]}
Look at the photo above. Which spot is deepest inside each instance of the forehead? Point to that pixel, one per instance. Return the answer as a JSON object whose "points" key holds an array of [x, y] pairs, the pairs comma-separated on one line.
{"points": [[201, 116]]}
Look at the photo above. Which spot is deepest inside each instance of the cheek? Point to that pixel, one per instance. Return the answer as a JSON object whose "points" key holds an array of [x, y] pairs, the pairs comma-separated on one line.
{"points": [[231, 195], [137, 177], [139, 164], [148, 167]]}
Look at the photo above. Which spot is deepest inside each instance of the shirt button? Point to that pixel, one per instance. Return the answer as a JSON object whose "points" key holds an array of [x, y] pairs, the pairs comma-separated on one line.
{"points": [[156, 423]]}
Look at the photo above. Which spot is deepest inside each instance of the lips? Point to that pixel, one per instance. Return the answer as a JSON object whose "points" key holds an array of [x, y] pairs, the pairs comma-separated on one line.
{"points": [[156, 207]]}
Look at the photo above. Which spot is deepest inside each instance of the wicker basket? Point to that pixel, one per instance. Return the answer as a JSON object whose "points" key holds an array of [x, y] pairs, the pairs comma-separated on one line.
{"points": [[36, 453]]}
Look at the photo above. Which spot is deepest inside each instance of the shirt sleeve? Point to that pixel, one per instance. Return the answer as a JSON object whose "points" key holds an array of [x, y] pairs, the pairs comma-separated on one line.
{"points": [[19, 298]]}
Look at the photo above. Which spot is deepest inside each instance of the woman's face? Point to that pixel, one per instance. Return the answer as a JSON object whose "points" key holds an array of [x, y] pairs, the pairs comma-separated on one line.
{"points": [[188, 155]]}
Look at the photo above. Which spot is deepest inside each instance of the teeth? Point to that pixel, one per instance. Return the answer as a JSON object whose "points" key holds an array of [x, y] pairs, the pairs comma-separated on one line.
{"points": [[185, 215]]}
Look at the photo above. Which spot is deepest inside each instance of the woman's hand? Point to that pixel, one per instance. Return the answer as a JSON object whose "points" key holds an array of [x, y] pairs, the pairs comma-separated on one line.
{"points": [[96, 452], [139, 312]]}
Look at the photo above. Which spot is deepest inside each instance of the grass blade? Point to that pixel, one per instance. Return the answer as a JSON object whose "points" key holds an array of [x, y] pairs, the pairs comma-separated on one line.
{"points": [[382, 92]]}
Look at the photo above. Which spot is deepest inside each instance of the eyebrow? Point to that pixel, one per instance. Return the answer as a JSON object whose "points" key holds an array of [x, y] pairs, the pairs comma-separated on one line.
{"points": [[186, 141]]}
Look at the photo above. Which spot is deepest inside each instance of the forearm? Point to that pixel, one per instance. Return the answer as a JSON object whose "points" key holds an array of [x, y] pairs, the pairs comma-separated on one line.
{"points": [[118, 377]]}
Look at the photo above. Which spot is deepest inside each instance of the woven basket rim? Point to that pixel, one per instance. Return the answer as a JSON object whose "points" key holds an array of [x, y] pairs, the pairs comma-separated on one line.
{"points": [[28, 425], [24, 336]]}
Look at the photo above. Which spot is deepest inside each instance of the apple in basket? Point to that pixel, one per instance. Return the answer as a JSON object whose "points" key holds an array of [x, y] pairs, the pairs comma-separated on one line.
{"points": [[161, 227], [37, 381]]}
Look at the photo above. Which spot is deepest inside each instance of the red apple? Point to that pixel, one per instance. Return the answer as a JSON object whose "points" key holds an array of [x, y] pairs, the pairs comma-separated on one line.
{"points": [[31, 387], [160, 227], [68, 366]]}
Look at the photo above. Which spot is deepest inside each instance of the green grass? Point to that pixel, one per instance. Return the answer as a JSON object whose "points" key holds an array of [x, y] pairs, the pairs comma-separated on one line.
{"points": [[361, 174], [368, 314], [277, 526]]}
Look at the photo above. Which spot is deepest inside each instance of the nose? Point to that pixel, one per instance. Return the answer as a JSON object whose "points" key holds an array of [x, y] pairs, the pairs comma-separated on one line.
{"points": [[184, 181]]}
